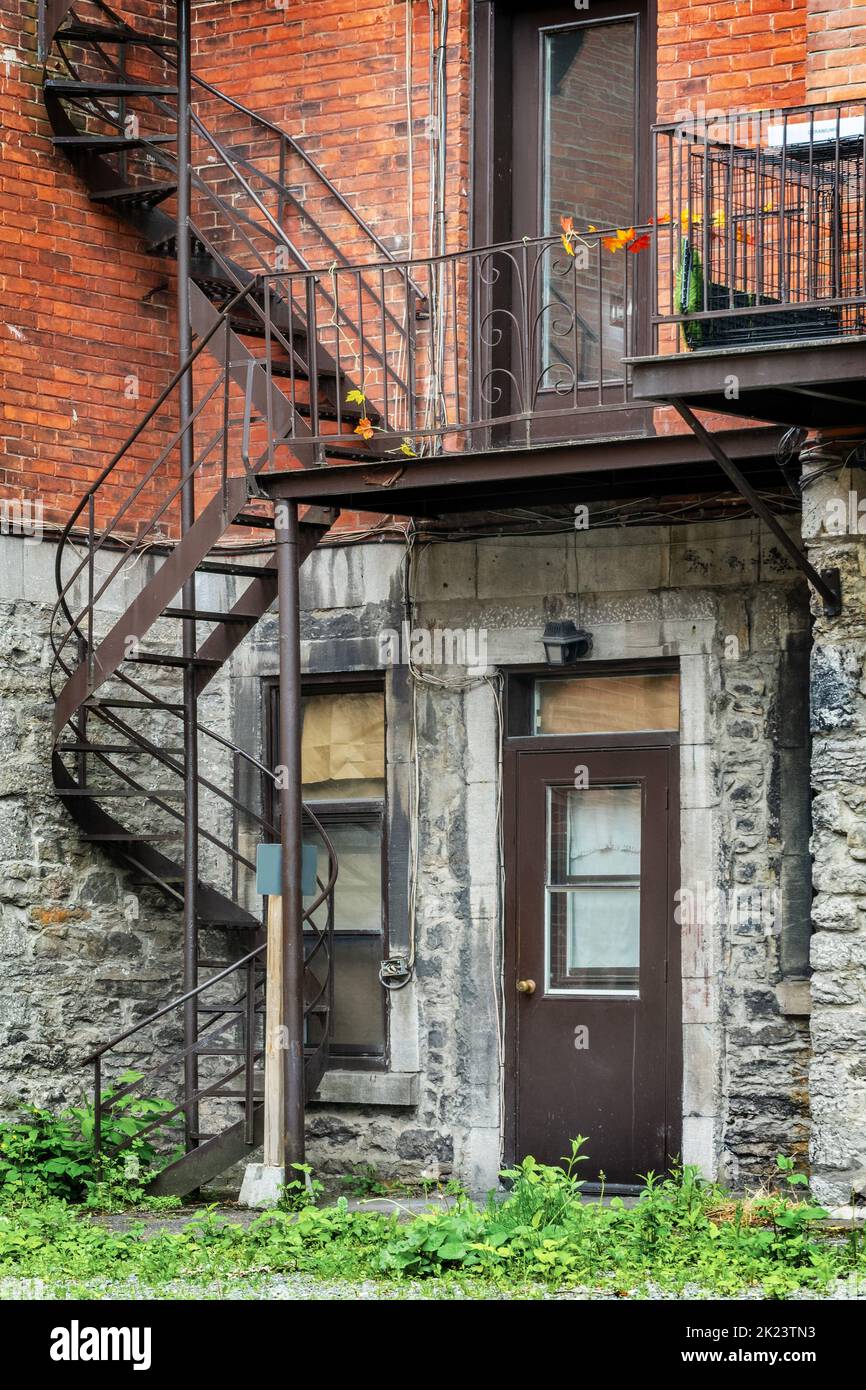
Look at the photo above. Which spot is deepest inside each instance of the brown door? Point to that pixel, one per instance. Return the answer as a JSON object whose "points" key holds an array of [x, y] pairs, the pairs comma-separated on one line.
{"points": [[595, 1028], [581, 115]]}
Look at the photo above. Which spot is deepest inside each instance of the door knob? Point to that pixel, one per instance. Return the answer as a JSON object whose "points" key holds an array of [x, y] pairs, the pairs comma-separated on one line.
{"points": [[525, 986]]}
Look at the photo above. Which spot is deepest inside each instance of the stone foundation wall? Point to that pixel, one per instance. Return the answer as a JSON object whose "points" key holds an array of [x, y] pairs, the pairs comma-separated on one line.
{"points": [[831, 524], [84, 952]]}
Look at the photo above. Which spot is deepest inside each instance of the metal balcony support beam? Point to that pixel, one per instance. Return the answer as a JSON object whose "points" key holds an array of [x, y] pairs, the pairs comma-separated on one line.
{"points": [[291, 813], [187, 519], [826, 582]]}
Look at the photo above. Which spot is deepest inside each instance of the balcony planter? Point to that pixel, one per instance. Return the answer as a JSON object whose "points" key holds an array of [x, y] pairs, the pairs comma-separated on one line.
{"points": [[788, 325]]}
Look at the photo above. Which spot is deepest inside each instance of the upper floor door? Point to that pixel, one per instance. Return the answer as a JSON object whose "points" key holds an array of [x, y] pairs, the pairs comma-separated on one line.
{"points": [[570, 137]]}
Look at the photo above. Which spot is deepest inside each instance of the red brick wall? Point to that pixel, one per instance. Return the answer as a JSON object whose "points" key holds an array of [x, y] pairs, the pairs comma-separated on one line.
{"points": [[836, 50], [73, 326], [733, 55], [729, 57]]}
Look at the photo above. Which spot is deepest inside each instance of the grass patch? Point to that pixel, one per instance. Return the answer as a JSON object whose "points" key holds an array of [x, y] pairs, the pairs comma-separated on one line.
{"points": [[682, 1232]]}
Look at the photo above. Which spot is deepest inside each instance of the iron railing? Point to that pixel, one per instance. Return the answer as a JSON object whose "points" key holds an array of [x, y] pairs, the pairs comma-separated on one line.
{"points": [[507, 344], [761, 222]]}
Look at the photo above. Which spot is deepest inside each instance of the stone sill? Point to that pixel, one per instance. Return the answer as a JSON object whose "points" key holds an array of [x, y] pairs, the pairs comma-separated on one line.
{"points": [[795, 998], [368, 1088]]}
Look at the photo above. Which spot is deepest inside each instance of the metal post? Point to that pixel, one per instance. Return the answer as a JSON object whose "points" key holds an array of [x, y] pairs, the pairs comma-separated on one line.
{"points": [[187, 518], [286, 531]]}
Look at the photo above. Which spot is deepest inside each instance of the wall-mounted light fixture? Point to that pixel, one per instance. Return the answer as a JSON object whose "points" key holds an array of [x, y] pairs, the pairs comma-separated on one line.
{"points": [[564, 643]]}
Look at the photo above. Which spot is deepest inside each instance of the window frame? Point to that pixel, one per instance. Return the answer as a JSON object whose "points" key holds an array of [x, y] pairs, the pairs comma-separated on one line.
{"points": [[349, 1056]]}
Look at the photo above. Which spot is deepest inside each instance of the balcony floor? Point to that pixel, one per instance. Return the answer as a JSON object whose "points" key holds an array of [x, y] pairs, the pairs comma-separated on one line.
{"points": [[447, 484], [819, 384]]}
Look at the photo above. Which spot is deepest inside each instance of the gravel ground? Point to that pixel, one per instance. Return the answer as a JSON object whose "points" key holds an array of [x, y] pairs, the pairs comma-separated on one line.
{"points": [[305, 1288]]}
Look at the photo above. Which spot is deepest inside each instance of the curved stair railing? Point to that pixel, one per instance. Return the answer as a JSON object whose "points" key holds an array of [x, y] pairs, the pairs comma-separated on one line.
{"points": [[120, 675], [119, 722]]}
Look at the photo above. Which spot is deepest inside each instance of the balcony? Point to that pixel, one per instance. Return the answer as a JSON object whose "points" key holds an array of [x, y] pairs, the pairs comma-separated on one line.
{"points": [[760, 267], [484, 377]]}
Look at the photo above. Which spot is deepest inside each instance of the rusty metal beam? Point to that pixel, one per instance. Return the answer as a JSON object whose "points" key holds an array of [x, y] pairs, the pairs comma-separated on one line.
{"points": [[827, 582]]}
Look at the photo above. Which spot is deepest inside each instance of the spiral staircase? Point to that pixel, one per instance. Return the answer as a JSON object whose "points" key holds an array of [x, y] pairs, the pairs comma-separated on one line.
{"points": [[167, 562]]}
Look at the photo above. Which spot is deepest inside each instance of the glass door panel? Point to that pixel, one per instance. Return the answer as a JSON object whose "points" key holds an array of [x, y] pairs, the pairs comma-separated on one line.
{"points": [[593, 890]]}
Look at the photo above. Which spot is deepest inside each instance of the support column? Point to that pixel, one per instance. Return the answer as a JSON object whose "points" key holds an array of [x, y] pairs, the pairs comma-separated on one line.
{"points": [[834, 529], [187, 518], [288, 578]]}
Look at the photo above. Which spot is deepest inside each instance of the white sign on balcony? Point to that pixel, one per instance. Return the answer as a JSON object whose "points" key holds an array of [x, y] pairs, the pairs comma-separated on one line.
{"points": [[799, 133]]}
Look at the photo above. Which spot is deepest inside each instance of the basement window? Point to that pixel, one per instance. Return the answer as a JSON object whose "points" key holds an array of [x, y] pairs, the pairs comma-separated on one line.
{"points": [[343, 771]]}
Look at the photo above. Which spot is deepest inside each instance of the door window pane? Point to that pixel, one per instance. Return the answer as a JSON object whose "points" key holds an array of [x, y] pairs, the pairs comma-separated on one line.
{"points": [[593, 889], [589, 104], [607, 704]]}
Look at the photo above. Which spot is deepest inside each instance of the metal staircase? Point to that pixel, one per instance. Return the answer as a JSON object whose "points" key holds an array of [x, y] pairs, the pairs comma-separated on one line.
{"points": [[163, 568]]}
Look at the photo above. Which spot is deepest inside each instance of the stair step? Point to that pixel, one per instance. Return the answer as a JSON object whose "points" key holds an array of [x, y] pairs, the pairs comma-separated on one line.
{"points": [[111, 143], [242, 571], [126, 749], [210, 615], [63, 86], [264, 523], [347, 413], [210, 663], [102, 33], [101, 793], [154, 707], [147, 194], [115, 836]]}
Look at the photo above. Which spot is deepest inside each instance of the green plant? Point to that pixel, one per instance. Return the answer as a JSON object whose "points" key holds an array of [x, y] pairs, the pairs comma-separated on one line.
{"points": [[301, 1191], [364, 1183], [44, 1156]]}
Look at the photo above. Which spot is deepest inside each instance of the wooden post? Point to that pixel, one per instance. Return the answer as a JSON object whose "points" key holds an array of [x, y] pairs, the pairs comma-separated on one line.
{"points": [[291, 814], [274, 1155]]}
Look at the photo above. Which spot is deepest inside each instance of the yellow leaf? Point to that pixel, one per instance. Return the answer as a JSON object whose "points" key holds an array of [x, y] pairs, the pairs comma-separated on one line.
{"points": [[356, 397], [567, 244], [407, 449]]}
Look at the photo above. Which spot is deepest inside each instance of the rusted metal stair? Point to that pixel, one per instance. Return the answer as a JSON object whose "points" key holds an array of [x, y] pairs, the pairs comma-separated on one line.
{"points": [[160, 576]]}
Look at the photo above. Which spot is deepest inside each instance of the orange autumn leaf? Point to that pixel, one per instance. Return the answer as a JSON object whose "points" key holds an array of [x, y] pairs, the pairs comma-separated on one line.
{"points": [[610, 243], [640, 243], [567, 224], [364, 428]]}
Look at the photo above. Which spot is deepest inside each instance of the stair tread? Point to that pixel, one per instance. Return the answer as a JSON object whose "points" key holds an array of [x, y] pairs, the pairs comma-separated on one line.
{"points": [[133, 836], [243, 571], [102, 33], [127, 192], [65, 85], [165, 659], [103, 792], [109, 702], [113, 142], [116, 748], [210, 615]]}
